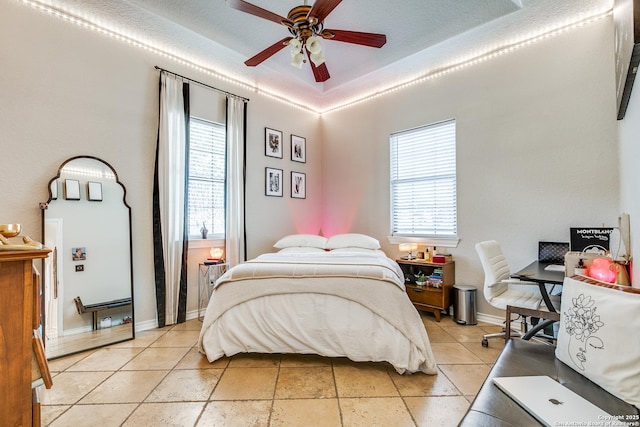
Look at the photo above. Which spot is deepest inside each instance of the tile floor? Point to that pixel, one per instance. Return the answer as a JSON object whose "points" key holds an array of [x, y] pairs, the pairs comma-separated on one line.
{"points": [[160, 379]]}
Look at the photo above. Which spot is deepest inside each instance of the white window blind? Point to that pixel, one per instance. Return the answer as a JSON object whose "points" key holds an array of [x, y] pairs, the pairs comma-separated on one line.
{"points": [[206, 178], [423, 181]]}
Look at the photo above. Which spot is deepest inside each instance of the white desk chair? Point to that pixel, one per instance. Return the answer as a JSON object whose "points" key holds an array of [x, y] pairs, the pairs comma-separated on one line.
{"points": [[500, 289]]}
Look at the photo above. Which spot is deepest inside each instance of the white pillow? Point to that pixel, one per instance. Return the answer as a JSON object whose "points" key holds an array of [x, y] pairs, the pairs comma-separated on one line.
{"points": [[352, 240], [598, 336], [301, 240], [301, 250], [355, 249]]}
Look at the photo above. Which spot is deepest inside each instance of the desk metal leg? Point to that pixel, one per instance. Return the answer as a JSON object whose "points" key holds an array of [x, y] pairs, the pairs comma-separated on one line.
{"points": [[545, 297]]}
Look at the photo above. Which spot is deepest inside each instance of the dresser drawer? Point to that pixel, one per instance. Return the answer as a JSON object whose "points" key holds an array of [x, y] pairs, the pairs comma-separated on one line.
{"points": [[425, 295]]}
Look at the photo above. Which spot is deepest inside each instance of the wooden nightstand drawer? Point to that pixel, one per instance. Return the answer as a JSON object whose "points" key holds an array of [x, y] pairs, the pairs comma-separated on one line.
{"points": [[425, 295]]}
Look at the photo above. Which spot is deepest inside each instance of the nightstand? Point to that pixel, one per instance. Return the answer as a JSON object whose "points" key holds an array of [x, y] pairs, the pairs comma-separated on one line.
{"points": [[207, 276], [435, 296]]}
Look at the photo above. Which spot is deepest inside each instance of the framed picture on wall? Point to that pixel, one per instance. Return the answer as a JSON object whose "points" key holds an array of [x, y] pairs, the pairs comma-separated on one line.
{"points": [[273, 143], [273, 182], [298, 149], [94, 191], [298, 185], [71, 189]]}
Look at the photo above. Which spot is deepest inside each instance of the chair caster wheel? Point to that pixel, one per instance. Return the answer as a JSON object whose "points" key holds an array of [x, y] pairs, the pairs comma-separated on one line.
{"points": [[485, 342]]}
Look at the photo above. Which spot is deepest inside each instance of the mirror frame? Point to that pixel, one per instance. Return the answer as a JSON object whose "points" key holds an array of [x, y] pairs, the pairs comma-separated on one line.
{"points": [[43, 208]]}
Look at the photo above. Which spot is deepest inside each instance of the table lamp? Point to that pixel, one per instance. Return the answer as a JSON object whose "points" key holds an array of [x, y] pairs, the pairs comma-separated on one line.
{"points": [[409, 248], [215, 256]]}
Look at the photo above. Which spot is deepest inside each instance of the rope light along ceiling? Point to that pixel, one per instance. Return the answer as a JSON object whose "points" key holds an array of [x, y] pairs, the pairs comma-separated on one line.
{"points": [[506, 48]]}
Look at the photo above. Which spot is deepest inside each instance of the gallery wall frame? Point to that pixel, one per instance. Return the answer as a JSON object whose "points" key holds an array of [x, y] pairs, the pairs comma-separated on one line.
{"points": [[298, 149], [94, 191], [273, 182], [298, 185], [273, 143], [71, 189]]}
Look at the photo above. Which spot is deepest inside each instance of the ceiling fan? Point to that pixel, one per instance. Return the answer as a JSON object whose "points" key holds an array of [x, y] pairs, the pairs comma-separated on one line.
{"points": [[306, 25]]}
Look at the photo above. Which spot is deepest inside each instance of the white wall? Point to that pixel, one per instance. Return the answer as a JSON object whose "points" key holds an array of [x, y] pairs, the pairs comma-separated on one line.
{"points": [[66, 91], [536, 149]]}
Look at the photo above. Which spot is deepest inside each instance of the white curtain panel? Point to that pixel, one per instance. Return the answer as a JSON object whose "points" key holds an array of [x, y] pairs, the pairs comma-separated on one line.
{"points": [[235, 239], [171, 186]]}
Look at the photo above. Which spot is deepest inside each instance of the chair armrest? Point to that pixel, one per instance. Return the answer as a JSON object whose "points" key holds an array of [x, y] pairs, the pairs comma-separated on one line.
{"points": [[551, 316]]}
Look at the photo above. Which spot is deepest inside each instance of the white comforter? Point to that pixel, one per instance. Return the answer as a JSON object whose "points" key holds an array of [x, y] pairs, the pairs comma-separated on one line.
{"points": [[333, 304]]}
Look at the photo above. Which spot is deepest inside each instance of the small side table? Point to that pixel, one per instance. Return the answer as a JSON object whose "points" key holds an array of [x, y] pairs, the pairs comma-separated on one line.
{"points": [[207, 276]]}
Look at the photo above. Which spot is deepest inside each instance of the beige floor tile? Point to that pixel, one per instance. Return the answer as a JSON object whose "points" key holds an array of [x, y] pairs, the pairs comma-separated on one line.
{"points": [[177, 339], [178, 414], [50, 413], [365, 412], [159, 358], [465, 333], [467, 378], [246, 383], [305, 383], [143, 339], [363, 380], [125, 387], [420, 384], [304, 360], [70, 387], [437, 334], [255, 360], [186, 385], [189, 325], [489, 328], [106, 359], [196, 360], [453, 353], [97, 415], [238, 413], [305, 412], [486, 354], [437, 411], [63, 363]]}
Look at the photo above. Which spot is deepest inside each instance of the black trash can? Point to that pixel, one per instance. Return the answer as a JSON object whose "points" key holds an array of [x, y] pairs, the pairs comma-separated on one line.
{"points": [[464, 304]]}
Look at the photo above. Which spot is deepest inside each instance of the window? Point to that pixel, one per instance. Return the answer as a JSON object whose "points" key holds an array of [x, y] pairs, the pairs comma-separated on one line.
{"points": [[423, 182], [207, 177]]}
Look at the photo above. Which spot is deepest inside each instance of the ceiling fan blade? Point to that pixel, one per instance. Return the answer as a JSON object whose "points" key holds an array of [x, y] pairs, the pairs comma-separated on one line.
{"points": [[356, 37], [267, 53], [243, 6], [322, 8], [321, 73]]}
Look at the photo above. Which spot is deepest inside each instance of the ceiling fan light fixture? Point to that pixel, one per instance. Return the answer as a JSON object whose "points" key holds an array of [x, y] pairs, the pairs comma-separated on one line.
{"points": [[313, 44], [297, 59], [317, 58], [295, 45]]}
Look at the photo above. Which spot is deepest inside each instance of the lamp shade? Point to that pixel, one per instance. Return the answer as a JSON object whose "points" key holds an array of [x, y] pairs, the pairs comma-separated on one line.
{"points": [[407, 247], [313, 44], [297, 59], [216, 253], [317, 58]]}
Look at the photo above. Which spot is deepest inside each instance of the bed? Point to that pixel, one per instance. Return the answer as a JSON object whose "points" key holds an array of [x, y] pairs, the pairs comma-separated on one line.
{"points": [[337, 297]]}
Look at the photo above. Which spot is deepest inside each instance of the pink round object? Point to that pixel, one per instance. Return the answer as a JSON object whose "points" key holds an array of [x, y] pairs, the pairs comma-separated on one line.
{"points": [[600, 269]]}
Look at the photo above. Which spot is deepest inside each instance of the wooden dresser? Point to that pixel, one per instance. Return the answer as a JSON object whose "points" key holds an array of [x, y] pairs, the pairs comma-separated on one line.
{"points": [[23, 364]]}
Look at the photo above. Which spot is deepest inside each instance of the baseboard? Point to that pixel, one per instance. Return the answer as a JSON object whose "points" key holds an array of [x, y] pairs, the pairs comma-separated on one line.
{"points": [[490, 318], [153, 324]]}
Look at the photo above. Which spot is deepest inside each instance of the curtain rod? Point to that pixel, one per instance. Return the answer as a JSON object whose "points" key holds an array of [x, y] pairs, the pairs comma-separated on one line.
{"points": [[203, 84]]}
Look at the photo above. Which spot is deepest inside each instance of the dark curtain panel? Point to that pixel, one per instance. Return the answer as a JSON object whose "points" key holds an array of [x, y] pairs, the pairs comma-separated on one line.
{"points": [[182, 297], [158, 255]]}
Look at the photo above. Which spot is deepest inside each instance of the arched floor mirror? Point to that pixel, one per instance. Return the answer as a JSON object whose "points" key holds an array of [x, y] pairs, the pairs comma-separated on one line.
{"points": [[88, 279]]}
